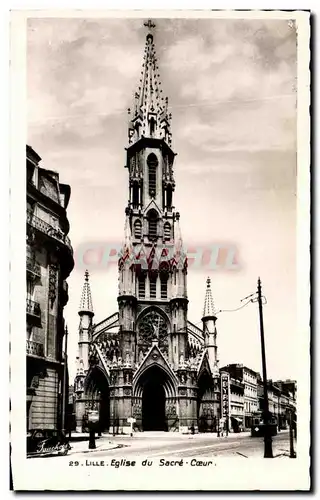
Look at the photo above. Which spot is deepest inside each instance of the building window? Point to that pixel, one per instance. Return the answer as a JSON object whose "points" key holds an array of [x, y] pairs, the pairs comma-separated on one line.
{"points": [[135, 195], [137, 229], [153, 287], [169, 197], [29, 290], [153, 224], [164, 287], [152, 166], [142, 287], [29, 332], [167, 231]]}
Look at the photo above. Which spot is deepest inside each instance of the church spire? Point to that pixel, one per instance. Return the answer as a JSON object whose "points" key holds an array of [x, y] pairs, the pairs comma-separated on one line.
{"points": [[150, 117], [86, 299], [209, 308]]}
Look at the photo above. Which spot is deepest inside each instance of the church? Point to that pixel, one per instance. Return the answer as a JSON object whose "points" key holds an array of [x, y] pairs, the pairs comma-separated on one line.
{"points": [[147, 363]]}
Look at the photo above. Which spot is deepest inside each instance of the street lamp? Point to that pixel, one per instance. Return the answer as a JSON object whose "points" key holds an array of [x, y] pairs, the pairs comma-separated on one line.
{"points": [[292, 453], [266, 416], [257, 297]]}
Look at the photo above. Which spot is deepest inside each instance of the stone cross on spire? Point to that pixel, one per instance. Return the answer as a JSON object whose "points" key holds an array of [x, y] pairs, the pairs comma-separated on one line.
{"points": [[149, 24], [86, 299], [209, 308]]}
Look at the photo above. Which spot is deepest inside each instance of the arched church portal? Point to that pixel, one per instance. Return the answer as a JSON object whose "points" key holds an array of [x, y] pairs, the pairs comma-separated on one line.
{"points": [[207, 420], [98, 397], [155, 389]]}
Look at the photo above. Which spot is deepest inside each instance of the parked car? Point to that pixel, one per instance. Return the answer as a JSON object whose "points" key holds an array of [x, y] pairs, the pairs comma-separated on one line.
{"points": [[46, 442]]}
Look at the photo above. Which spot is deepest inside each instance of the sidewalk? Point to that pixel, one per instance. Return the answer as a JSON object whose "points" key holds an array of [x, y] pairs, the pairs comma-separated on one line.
{"points": [[82, 446]]}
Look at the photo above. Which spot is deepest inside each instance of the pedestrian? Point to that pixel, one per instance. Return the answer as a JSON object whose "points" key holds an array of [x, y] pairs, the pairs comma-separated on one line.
{"points": [[221, 429]]}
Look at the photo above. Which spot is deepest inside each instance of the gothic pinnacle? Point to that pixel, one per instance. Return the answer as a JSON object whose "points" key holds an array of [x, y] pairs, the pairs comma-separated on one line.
{"points": [[86, 299], [209, 308]]}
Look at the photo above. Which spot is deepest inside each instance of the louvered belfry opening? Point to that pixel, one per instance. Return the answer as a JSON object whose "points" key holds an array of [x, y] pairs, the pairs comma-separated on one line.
{"points": [[153, 225], [152, 169]]}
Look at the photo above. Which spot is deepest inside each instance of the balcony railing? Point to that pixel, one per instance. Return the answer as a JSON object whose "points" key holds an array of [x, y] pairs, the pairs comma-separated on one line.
{"points": [[237, 383], [34, 348], [33, 267], [48, 229], [33, 308]]}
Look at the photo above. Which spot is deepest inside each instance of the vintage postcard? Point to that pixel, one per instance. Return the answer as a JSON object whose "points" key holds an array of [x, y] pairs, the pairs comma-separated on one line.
{"points": [[160, 250]]}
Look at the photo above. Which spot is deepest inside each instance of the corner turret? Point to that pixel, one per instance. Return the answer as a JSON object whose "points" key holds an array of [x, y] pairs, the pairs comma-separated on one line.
{"points": [[209, 329]]}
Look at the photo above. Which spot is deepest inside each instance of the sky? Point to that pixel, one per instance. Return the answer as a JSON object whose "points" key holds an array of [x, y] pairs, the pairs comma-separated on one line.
{"points": [[231, 85]]}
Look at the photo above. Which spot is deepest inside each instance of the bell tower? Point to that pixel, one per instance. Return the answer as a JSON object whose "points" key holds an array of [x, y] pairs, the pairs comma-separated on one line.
{"points": [[157, 263]]}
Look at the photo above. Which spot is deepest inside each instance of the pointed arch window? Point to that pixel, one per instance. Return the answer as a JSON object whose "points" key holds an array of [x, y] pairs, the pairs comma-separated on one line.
{"points": [[135, 195], [152, 224], [152, 126], [152, 163], [137, 229], [153, 286], [142, 286], [164, 286], [167, 231], [169, 197]]}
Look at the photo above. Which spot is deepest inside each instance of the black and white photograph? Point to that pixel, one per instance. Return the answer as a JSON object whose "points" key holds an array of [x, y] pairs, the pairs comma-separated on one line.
{"points": [[165, 206]]}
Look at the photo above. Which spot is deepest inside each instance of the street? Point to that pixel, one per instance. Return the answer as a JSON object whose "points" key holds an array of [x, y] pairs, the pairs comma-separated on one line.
{"points": [[168, 445]]}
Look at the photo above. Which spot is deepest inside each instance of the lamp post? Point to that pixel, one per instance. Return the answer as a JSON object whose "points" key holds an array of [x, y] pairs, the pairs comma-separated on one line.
{"points": [[266, 417], [92, 439], [113, 414], [292, 453], [65, 376], [257, 297], [99, 409]]}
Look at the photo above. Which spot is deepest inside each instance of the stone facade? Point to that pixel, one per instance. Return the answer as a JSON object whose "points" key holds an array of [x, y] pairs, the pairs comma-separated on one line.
{"points": [[237, 419], [281, 400], [147, 361], [49, 263], [248, 378]]}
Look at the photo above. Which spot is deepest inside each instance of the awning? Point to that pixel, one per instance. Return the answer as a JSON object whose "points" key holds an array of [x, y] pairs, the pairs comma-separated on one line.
{"points": [[237, 419]]}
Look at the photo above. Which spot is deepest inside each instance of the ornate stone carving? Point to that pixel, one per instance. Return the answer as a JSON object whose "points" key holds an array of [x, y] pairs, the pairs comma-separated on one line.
{"points": [[171, 411], [53, 274], [137, 410], [150, 325], [30, 236], [183, 377], [113, 378], [79, 384], [127, 376]]}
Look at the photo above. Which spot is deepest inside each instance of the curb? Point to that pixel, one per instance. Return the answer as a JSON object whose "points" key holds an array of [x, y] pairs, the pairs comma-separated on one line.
{"points": [[97, 449]]}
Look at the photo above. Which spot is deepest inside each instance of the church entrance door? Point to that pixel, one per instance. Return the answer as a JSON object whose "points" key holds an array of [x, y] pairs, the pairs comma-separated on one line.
{"points": [[153, 407], [154, 400]]}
